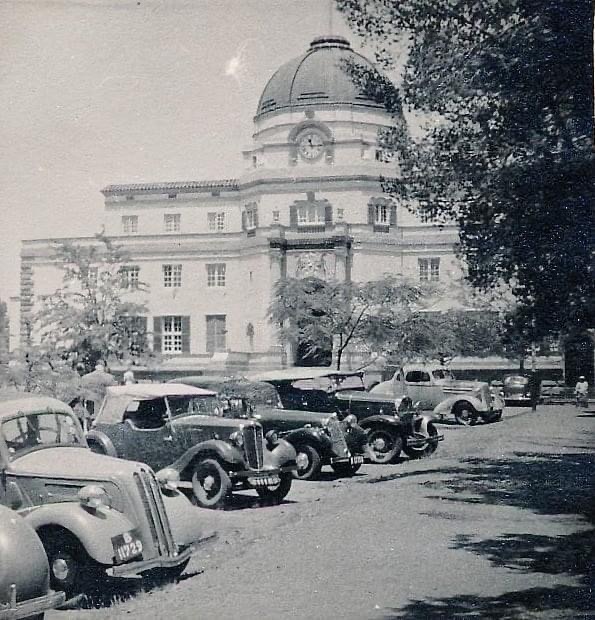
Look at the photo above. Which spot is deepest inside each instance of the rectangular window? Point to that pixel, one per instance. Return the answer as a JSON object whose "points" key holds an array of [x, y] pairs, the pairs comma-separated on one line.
{"points": [[381, 215], [275, 216], [216, 274], [216, 333], [130, 276], [311, 215], [172, 222], [216, 221], [172, 276], [251, 219], [171, 334], [429, 269], [129, 224]]}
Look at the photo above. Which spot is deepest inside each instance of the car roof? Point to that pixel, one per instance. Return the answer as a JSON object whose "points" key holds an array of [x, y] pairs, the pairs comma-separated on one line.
{"points": [[31, 404], [148, 391], [294, 374]]}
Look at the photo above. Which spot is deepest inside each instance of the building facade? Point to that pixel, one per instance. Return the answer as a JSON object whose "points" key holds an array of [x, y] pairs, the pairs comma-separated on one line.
{"points": [[309, 202]]}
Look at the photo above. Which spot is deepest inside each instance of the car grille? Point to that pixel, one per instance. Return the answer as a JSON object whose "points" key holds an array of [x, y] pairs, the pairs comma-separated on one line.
{"points": [[337, 437], [150, 493], [253, 446]]}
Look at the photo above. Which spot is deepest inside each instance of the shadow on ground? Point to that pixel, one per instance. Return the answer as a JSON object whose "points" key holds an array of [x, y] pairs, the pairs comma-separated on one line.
{"points": [[548, 484]]}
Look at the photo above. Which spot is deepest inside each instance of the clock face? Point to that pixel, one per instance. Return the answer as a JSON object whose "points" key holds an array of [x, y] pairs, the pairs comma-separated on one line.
{"points": [[310, 145]]}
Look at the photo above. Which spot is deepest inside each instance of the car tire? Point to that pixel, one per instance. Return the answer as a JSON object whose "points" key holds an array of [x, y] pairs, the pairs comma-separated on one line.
{"points": [[345, 470], [309, 455], [465, 413], [275, 495], [384, 445], [415, 452], [70, 567], [211, 486]]}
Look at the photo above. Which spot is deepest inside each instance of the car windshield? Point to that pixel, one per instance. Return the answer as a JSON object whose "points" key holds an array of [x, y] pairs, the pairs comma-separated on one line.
{"points": [[194, 405], [40, 430], [516, 380], [442, 374]]}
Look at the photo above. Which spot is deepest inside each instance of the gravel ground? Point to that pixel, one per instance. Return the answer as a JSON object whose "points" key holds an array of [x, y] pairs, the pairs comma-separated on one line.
{"points": [[497, 524]]}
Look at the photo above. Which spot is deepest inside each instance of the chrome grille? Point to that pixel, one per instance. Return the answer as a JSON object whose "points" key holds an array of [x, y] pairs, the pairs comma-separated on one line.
{"points": [[337, 437], [150, 493], [253, 446]]}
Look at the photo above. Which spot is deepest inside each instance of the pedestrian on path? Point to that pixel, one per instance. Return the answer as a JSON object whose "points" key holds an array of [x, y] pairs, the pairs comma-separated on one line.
{"points": [[581, 391]]}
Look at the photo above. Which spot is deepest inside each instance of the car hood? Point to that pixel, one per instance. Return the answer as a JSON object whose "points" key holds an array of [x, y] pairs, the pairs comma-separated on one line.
{"points": [[456, 385], [214, 422], [72, 463], [295, 415]]}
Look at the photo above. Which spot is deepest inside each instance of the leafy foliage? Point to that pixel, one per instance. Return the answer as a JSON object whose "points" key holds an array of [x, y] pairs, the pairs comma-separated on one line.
{"points": [[95, 315], [504, 93]]}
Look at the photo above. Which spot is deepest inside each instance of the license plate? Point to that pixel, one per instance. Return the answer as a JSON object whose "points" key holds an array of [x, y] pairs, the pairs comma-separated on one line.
{"points": [[357, 460], [264, 481], [127, 546]]}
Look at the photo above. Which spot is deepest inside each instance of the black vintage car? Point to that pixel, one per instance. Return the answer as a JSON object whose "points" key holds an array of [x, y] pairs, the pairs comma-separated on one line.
{"points": [[319, 438], [391, 424], [182, 428]]}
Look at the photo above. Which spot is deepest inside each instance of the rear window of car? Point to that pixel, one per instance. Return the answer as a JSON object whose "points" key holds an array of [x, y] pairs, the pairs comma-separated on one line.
{"points": [[417, 376], [517, 380]]}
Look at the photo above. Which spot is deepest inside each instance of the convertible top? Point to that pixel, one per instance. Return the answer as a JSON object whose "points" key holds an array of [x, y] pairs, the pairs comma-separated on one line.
{"points": [[297, 373], [149, 391], [21, 403]]}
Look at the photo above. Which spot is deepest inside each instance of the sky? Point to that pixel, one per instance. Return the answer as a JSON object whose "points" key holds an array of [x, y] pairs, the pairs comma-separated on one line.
{"points": [[94, 92]]}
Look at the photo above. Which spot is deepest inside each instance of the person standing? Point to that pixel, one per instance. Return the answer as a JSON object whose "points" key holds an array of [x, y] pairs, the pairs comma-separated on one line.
{"points": [[581, 391]]}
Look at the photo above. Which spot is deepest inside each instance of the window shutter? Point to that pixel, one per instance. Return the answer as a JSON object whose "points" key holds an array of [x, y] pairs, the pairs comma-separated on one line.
{"points": [[210, 335], [293, 218], [328, 215], [185, 334], [371, 214], [255, 217], [157, 334], [243, 220], [393, 215]]}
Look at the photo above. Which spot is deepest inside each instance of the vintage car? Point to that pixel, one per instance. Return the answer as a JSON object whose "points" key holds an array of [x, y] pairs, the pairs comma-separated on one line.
{"points": [[24, 571], [516, 390], [391, 425], [94, 515], [318, 438], [433, 387], [182, 428]]}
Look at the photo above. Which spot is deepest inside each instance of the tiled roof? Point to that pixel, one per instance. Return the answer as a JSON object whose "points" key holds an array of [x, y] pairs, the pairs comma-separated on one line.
{"points": [[183, 186]]}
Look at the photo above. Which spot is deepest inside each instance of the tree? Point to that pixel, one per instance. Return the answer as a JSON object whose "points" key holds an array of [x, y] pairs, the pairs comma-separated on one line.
{"points": [[320, 313], [504, 92], [97, 313]]}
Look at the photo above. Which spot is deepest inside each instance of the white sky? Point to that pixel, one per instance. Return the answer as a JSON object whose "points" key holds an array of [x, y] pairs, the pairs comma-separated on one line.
{"points": [[94, 92]]}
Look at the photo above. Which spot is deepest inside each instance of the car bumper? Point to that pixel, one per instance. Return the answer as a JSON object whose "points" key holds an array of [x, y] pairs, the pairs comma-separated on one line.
{"points": [[420, 442], [134, 569], [357, 459], [262, 473], [32, 607]]}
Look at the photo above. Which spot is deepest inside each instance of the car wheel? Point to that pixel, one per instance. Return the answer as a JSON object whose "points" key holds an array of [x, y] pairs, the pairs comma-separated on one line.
{"points": [[70, 567], [345, 469], [276, 494], [418, 452], [384, 445], [308, 462], [210, 484], [465, 414]]}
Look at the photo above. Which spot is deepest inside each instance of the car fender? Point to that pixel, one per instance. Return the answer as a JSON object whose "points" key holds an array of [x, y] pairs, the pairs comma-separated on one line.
{"points": [[315, 437], [94, 529], [446, 406], [380, 420], [212, 448], [106, 444], [283, 454], [384, 387], [182, 515]]}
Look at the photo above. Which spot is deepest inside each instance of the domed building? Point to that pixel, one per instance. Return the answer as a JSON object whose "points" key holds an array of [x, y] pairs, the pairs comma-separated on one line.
{"points": [[309, 202]]}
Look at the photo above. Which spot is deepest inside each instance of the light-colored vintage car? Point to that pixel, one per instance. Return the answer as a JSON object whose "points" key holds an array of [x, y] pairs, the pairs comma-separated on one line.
{"points": [[24, 572], [433, 387], [95, 515]]}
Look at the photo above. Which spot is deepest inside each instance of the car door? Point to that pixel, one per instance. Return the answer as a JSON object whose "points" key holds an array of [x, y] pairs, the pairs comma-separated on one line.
{"points": [[419, 388]]}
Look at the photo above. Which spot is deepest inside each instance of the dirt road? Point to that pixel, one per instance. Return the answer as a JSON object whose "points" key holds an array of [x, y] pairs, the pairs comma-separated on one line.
{"points": [[497, 524]]}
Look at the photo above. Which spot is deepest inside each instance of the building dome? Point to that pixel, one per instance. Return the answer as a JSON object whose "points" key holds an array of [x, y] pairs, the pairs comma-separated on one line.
{"points": [[316, 78]]}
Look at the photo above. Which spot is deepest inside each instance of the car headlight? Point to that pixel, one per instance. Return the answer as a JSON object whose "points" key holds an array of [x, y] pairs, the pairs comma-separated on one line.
{"points": [[272, 439], [237, 439], [350, 420], [94, 496], [168, 478]]}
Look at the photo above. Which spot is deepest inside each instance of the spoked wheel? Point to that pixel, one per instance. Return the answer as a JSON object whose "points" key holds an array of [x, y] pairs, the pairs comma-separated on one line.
{"points": [[429, 447], [465, 414], [384, 445], [308, 462], [210, 484], [276, 494], [345, 469]]}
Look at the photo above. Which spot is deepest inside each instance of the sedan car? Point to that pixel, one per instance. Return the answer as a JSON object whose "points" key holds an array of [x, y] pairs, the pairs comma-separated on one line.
{"points": [[24, 571], [516, 389], [182, 428]]}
